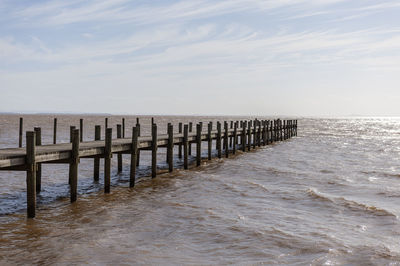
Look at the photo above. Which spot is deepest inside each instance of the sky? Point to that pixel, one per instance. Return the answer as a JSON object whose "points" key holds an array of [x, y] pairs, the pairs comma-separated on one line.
{"points": [[201, 57]]}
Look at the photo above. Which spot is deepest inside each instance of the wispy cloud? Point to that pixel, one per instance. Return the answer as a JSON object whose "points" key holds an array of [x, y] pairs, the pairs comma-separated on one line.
{"points": [[170, 46]]}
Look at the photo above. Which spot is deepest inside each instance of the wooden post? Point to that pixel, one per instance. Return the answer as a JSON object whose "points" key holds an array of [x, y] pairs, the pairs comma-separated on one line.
{"points": [[31, 173], [73, 165], [123, 128], [138, 152], [185, 146], [254, 134], [281, 129], [264, 133], [267, 132], [81, 130], [180, 145], [152, 121], [249, 137], [226, 139], [96, 167], [154, 150], [167, 153], [198, 144], [190, 131], [21, 126], [105, 126], [55, 131], [219, 134], [170, 148], [119, 156], [209, 140], [38, 133], [243, 138], [71, 130], [259, 134], [234, 137], [107, 160], [231, 137], [134, 149]]}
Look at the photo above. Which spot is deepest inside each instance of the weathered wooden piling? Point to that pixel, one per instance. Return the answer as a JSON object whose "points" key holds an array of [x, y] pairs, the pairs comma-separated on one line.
{"points": [[119, 156], [154, 150], [38, 133], [55, 131], [138, 152], [219, 135], [170, 148], [180, 145], [234, 137], [226, 144], [255, 134], [81, 130], [190, 131], [134, 152], [96, 166], [107, 160], [209, 140], [123, 128], [198, 144], [31, 173], [21, 128], [249, 136], [243, 138], [185, 146], [73, 165], [231, 137]]}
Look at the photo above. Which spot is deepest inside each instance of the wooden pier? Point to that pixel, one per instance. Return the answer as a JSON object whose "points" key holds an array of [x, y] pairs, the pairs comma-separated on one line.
{"points": [[240, 135]]}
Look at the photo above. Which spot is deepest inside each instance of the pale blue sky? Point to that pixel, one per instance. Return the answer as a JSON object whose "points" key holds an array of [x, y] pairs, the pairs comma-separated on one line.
{"points": [[271, 57]]}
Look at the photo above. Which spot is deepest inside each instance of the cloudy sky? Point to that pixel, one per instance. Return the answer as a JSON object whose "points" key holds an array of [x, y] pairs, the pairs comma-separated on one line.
{"points": [[261, 57]]}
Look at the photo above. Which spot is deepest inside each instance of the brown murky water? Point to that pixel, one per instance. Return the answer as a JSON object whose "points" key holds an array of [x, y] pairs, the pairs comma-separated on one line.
{"points": [[330, 196]]}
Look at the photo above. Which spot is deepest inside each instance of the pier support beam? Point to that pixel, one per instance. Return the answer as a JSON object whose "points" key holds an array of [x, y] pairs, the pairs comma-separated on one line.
{"points": [[226, 143], [119, 156], [219, 134], [190, 131], [96, 166], [198, 144], [107, 160], [243, 138], [234, 137], [55, 131], [154, 150], [138, 152], [38, 134], [249, 136], [81, 130], [209, 140], [185, 146], [134, 152], [170, 147], [73, 165], [180, 145], [31, 173], [21, 128]]}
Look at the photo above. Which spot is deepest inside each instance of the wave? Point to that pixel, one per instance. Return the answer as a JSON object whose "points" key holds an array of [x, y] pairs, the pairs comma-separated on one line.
{"points": [[350, 204], [385, 174], [259, 186]]}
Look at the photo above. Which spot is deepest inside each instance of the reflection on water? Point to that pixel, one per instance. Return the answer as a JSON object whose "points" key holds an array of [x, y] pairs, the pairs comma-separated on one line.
{"points": [[329, 196]]}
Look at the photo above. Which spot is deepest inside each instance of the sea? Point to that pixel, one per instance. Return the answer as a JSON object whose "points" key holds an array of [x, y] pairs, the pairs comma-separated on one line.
{"points": [[330, 196]]}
